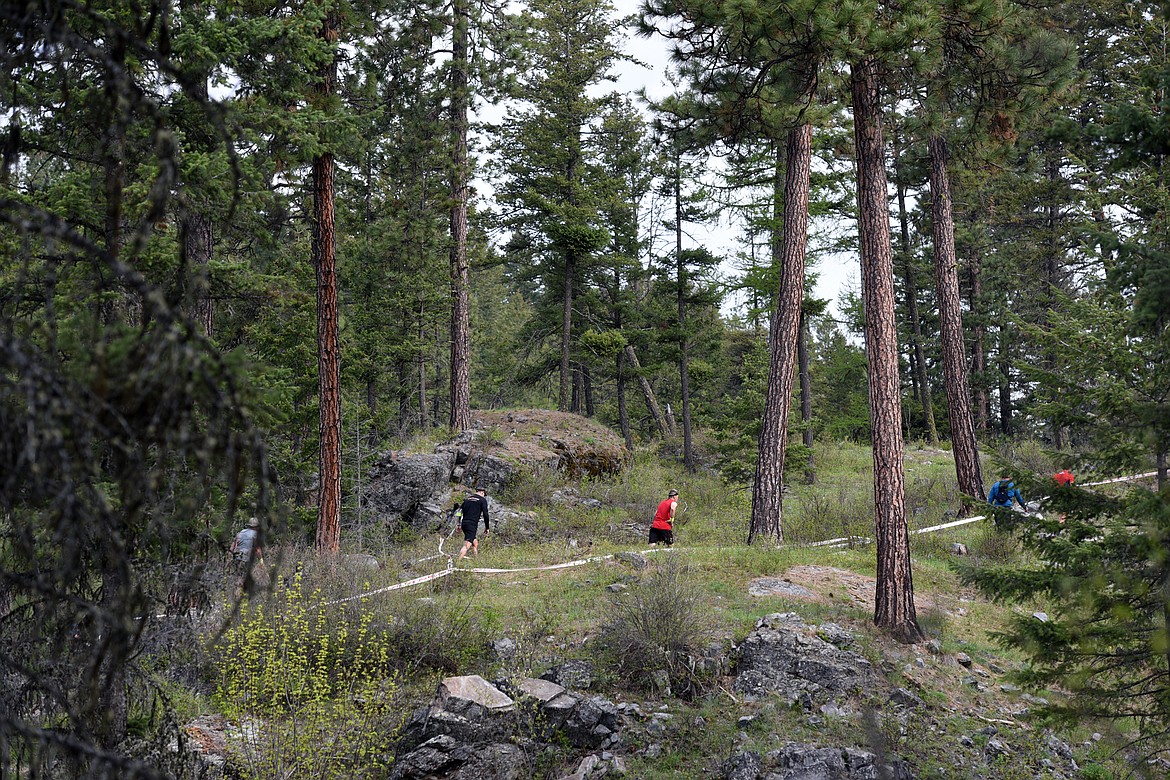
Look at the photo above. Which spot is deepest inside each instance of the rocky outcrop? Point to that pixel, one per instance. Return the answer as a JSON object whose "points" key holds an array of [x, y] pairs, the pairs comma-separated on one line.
{"points": [[807, 762], [412, 490], [805, 663], [416, 489], [444, 756], [471, 727]]}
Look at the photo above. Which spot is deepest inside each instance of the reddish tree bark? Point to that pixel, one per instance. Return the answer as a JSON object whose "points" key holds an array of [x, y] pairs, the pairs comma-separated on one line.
{"points": [[328, 338], [894, 597], [768, 486], [460, 305], [950, 317]]}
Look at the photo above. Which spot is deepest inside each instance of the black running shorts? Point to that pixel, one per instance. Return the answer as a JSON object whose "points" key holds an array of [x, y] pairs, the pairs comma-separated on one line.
{"points": [[661, 535]]}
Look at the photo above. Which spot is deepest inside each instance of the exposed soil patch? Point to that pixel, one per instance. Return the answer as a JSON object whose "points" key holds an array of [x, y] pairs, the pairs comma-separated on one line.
{"points": [[829, 584]]}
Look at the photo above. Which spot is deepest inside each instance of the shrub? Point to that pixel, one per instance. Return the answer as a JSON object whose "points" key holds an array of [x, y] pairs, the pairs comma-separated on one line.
{"points": [[659, 624], [308, 691]]}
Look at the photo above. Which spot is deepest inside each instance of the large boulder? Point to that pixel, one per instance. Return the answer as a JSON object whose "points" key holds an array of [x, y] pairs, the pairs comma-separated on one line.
{"points": [[410, 489], [808, 762], [469, 723], [784, 655], [444, 756]]}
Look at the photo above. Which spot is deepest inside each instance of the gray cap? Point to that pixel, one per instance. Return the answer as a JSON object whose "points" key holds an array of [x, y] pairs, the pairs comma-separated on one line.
{"points": [[672, 492]]}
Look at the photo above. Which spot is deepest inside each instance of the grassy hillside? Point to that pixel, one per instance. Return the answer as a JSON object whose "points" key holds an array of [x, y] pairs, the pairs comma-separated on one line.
{"points": [[447, 626]]}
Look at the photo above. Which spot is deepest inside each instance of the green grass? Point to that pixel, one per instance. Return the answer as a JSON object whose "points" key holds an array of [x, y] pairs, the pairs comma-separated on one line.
{"points": [[556, 615]]}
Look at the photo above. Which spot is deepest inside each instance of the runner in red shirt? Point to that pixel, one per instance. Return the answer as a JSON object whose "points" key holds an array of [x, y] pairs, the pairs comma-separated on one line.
{"points": [[661, 530], [1064, 478]]}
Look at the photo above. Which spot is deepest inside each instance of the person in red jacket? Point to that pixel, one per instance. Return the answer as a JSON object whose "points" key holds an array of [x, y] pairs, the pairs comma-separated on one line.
{"points": [[662, 529], [1064, 478]]}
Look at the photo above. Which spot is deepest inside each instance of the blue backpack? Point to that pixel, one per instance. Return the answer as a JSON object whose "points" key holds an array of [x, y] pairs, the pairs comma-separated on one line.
{"points": [[1003, 492]]}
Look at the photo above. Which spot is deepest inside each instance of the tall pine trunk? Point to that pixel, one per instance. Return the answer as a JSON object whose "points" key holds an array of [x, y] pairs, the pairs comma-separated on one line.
{"points": [[918, 364], [328, 338], [683, 345], [623, 410], [978, 349], [810, 474], [894, 596], [196, 248], [950, 317], [460, 306], [768, 486]]}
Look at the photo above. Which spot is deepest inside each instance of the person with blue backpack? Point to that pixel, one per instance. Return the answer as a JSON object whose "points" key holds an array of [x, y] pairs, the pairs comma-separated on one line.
{"points": [[1004, 492]]}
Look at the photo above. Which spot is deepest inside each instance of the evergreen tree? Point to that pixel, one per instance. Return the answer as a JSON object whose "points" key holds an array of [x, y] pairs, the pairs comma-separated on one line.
{"points": [[548, 188]]}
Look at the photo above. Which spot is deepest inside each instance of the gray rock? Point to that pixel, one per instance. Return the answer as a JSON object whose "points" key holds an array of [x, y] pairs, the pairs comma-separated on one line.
{"points": [[1008, 688], [958, 548], [462, 695], [591, 722], [785, 656], [542, 691], [903, 697], [445, 757], [1041, 616], [775, 586], [742, 766], [411, 489], [745, 721], [639, 562], [653, 750], [504, 649], [617, 587], [807, 762], [558, 709], [934, 647], [571, 674], [966, 741], [963, 660], [490, 472], [836, 635], [997, 747], [584, 768], [1058, 747]]}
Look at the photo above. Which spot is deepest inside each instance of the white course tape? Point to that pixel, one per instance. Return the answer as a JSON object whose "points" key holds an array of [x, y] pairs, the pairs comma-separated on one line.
{"points": [[1120, 479], [409, 583], [951, 524], [843, 541]]}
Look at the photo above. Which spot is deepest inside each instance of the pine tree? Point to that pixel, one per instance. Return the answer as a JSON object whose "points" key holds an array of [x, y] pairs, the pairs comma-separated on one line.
{"points": [[547, 170]]}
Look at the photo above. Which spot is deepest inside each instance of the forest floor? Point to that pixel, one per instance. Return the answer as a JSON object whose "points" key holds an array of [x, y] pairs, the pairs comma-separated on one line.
{"points": [[966, 679]]}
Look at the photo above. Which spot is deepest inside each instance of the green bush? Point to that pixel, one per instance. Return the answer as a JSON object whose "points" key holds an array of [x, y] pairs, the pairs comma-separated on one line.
{"points": [[660, 623], [308, 691]]}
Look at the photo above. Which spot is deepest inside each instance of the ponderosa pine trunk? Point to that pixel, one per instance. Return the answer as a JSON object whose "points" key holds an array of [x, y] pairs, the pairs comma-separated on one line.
{"points": [[950, 320], [768, 485], [196, 247], [810, 473], [623, 409], [921, 380], [978, 350], [196, 242], [328, 338], [894, 597], [683, 345], [460, 306]]}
